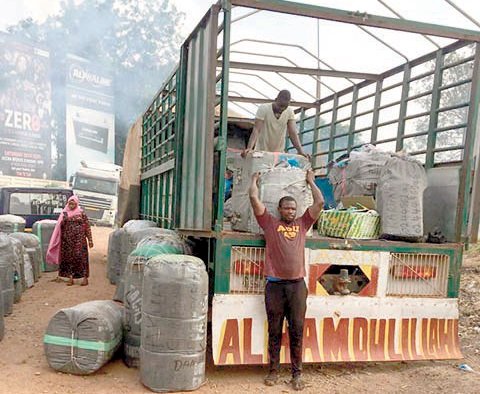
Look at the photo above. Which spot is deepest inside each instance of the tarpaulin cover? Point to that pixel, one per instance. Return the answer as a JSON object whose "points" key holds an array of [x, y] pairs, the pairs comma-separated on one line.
{"points": [[129, 188]]}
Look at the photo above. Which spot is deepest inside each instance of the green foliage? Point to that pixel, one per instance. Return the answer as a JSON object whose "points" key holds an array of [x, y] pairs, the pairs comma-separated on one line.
{"points": [[137, 40], [448, 97]]}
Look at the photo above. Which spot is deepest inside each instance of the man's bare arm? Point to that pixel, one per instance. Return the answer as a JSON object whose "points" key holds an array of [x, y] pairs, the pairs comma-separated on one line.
{"points": [[293, 135], [257, 128], [257, 204], [317, 205]]}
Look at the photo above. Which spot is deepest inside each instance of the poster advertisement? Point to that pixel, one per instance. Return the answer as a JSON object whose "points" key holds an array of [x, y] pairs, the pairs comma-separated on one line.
{"points": [[25, 110], [90, 118]]}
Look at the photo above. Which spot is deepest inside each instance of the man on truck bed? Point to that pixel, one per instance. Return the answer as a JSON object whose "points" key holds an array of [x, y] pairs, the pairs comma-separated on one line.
{"points": [[271, 122], [285, 291]]}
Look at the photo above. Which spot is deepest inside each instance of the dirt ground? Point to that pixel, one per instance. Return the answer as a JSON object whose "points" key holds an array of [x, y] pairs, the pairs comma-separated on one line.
{"points": [[24, 369]]}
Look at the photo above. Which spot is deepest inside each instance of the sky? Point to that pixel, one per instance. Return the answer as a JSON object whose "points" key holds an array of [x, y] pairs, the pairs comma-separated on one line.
{"points": [[344, 46], [427, 10], [14, 10]]}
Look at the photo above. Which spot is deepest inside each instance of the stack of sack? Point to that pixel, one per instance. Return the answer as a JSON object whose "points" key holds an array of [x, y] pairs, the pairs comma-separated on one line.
{"points": [[163, 325], [400, 199], [114, 252], [396, 180], [26, 265], [31, 243], [81, 339], [281, 175], [130, 242], [174, 323], [20, 284], [7, 270], [12, 224], [118, 250], [148, 248], [43, 229]]}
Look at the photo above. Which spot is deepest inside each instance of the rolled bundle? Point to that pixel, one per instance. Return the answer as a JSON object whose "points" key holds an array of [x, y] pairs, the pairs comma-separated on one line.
{"points": [[174, 321], [130, 241], [28, 269], [31, 243], [83, 338], [132, 237], [133, 225], [19, 269], [274, 184], [12, 224], [19, 253], [7, 273], [127, 244], [2, 323], [147, 248], [114, 264], [400, 199], [43, 229]]}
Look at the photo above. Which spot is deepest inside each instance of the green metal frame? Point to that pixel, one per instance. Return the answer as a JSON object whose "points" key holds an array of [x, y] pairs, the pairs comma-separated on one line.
{"points": [[223, 250], [359, 18], [466, 175], [221, 146], [335, 148], [158, 155], [195, 203], [181, 86]]}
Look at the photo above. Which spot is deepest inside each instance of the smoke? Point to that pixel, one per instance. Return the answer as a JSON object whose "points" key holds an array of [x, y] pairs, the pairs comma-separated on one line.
{"points": [[136, 41]]}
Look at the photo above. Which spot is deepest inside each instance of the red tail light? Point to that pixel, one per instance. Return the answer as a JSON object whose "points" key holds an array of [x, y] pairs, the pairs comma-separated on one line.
{"points": [[248, 267], [414, 272]]}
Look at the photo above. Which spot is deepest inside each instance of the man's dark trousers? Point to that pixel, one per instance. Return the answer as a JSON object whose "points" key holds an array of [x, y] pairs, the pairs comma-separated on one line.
{"points": [[286, 299]]}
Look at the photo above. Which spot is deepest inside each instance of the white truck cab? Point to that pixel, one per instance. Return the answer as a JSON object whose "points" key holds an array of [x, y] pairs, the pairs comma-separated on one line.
{"points": [[96, 186]]}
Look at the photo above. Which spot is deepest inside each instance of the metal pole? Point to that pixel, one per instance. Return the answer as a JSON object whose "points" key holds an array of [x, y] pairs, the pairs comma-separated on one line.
{"points": [[466, 176], [222, 132], [469, 17], [401, 17], [317, 110]]}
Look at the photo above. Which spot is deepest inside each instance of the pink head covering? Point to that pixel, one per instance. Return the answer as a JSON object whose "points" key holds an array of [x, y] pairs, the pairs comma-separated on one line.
{"points": [[72, 212], [53, 252]]}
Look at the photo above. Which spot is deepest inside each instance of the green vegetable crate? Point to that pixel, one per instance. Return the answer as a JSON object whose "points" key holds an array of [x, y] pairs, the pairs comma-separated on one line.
{"points": [[349, 223]]}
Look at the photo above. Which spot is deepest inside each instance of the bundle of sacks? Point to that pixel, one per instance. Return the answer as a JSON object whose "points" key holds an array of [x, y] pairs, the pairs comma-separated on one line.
{"points": [[129, 250], [120, 246], [83, 338], [135, 231], [281, 175], [147, 248], [162, 324], [396, 180], [12, 224]]}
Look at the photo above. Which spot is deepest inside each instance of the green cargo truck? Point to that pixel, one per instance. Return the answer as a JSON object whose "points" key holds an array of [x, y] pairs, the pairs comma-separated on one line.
{"points": [[404, 306]]}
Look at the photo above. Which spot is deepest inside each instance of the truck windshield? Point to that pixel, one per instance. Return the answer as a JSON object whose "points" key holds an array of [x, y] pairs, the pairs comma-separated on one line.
{"points": [[95, 185]]}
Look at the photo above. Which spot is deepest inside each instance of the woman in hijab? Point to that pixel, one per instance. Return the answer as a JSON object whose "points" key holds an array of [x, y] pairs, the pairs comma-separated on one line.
{"points": [[68, 245]]}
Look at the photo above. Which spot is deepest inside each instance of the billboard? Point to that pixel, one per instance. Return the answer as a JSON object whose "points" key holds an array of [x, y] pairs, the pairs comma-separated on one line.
{"points": [[25, 109], [90, 117]]}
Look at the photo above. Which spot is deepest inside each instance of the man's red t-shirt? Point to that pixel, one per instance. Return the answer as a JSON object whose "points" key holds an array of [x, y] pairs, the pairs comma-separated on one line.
{"points": [[285, 245]]}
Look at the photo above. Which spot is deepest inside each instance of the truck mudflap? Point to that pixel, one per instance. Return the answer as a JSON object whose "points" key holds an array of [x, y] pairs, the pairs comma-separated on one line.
{"points": [[340, 329]]}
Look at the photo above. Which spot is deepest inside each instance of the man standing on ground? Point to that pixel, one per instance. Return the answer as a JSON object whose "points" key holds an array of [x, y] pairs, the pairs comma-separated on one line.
{"points": [[271, 123], [285, 291]]}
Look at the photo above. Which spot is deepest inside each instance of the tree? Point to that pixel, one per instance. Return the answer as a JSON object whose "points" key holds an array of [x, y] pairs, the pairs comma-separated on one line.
{"points": [[137, 40], [450, 97]]}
